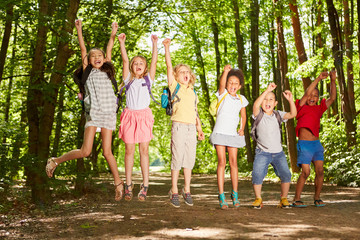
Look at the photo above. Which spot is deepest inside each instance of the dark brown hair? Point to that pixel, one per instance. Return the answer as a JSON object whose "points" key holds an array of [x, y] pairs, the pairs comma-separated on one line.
{"points": [[237, 73]]}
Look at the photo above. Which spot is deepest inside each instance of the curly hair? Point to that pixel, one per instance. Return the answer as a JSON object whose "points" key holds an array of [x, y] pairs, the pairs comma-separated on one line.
{"points": [[176, 73], [236, 73]]}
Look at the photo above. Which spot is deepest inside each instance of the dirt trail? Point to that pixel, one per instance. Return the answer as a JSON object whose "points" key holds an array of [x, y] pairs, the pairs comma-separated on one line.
{"points": [[97, 216]]}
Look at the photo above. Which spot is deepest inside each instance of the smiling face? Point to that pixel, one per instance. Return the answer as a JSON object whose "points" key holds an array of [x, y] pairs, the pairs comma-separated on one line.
{"points": [[313, 98], [96, 58], [183, 75], [233, 85], [269, 103], [138, 66]]}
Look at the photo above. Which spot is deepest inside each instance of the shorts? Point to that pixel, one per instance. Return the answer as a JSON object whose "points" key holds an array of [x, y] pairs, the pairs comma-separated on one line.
{"points": [[261, 165], [136, 125], [183, 146], [235, 141], [309, 151]]}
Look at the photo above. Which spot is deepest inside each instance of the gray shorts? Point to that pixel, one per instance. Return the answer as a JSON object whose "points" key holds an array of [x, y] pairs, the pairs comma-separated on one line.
{"points": [[235, 141], [183, 145]]}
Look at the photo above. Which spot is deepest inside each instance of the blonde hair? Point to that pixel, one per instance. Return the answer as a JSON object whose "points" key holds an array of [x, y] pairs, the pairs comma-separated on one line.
{"points": [[176, 73], [132, 74]]}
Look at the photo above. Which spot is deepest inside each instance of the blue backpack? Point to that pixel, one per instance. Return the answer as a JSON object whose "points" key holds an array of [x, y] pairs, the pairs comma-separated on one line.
{"points": [[167, 99]]}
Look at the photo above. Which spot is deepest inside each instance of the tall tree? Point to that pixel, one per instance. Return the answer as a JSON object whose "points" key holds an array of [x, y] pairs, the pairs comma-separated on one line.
{"points": [[285, 85], [299, 43], [337, 50], [6, 36], [255, 71]]}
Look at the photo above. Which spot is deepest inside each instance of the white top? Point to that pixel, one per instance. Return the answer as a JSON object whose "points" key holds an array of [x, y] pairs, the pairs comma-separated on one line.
{"points": [[138, 97], [227, 119], [268, 133]]}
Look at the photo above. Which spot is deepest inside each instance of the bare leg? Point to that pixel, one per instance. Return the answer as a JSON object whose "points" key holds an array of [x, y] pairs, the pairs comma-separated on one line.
{"points": [[174, 181], [129, 162], [305, 172], [233, 167], [319, 178], [285, 189], [257, 190], [144, 161], [221, 154], [187, 179]]}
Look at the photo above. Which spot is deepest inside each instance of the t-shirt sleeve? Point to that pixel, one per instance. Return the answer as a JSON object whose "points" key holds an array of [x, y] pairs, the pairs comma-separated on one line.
{"points": [[323, 106], [151, 80], [173, 86], [245, 102], [282, 114], [220, 96], [127, 79], [297, 104]]}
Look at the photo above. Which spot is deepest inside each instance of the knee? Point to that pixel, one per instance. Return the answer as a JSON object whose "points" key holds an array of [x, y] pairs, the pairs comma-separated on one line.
{"points": [[305, 174], [107, 154], [319, 172], [144, 151], [221, 163], [233, 163], [85, 152]]}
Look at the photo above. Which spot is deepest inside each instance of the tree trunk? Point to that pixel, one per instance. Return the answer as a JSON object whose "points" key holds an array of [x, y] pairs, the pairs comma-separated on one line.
{"points": [[295, 21], [290, 127], [215, 30], [6, 37], [59, 120], [201, 66], [337, 49], [255, 72], [240, 52]]}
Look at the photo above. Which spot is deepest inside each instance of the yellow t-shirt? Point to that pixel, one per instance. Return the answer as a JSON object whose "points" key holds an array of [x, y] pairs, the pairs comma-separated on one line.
{"points": [[184, 103]]}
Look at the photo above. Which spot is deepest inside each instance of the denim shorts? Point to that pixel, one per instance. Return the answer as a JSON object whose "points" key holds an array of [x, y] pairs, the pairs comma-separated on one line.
{"points": [[309, 151], [261, 165]]}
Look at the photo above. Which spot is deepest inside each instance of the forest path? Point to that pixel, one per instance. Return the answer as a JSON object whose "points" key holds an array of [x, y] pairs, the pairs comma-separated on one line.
{"points": [[97, 216]]}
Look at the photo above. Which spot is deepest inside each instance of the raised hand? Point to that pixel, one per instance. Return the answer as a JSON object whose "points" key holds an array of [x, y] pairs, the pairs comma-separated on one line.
{"points": [[154, 38], [288, 95], [227, 68], [114, 28], [166, 42], [333, 75], [323, 75], [78, 23], [271, 86], [122, 38]]}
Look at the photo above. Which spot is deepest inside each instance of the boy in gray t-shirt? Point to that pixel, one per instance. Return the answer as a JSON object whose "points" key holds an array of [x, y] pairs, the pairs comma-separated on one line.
{"points": [[269, 149]]}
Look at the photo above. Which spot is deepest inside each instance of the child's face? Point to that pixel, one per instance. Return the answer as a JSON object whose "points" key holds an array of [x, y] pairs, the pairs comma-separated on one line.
{"points": [[183, 75], [233, 85], [138, 66], [313, 98], [96, 59], [269, 103]]}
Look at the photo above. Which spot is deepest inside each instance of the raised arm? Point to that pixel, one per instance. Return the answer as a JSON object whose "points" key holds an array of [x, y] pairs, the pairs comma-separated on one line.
{"points": [[332, 97], [169, 67], [78, 26], [223, 77], [260, 99], [154, 57], [311, 87], [114, 28], [288, 96], [124, 56]]}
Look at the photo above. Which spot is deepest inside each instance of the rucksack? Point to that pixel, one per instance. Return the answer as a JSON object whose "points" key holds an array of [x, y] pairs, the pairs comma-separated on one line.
{"points": [[127, 86], [167, 99], [256, 123], [215, 104], [80, 76]]}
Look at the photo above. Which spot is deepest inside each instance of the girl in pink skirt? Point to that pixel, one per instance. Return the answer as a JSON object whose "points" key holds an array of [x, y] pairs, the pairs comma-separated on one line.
{"points": [[137, 120]]}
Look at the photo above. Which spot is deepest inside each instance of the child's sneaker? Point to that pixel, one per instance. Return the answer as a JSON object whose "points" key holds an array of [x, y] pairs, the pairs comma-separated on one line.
{"points": [[257, 204], [284, 203], [174, 199], [187, 197]]}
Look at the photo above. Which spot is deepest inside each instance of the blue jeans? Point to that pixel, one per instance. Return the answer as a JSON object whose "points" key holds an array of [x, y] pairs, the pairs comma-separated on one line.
{"points": [[261, 164]]}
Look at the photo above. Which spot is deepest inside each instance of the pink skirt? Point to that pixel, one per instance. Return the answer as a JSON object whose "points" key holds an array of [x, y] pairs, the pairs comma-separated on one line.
{"points": [[136, 125]]}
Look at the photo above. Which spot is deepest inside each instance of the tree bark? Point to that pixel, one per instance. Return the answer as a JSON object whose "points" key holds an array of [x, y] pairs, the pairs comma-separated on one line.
{"points": [[6, 37], [295, 21], [240, 52], [59, 119], [337, 50], [290, 127], [255, 72], [215, 30]]}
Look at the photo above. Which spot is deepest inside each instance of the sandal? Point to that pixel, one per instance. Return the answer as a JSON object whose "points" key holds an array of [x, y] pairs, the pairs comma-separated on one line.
{"points": [[319, 203], [234, 198], [299, 204], [119, 193], [143, 192], [222, 201], [129, 193], [50, 167]]}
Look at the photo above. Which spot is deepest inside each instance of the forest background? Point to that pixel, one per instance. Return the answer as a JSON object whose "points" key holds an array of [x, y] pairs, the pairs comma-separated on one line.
{"points": [[286, 42]]}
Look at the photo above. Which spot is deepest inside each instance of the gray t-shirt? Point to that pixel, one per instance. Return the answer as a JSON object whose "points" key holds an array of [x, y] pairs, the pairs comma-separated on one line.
{"points": [[268, 133]]}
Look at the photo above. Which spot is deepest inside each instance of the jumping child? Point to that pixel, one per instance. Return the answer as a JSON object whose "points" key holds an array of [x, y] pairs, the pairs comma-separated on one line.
{"points": [[137, 119], [309, 147], [225, 136], [269, 148], [100, 107], [185, 123]]}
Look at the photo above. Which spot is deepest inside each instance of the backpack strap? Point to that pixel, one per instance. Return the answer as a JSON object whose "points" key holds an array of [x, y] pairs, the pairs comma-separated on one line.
{"points": [[278, 117], [219, 102], [148, 84]]}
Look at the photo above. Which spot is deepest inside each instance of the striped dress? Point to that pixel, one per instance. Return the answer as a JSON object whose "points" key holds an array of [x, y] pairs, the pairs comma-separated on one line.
{"points": [[100, 101]]}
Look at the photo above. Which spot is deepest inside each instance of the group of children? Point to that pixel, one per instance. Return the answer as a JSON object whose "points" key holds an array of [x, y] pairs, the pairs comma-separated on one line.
{"points": [[137, 121]]}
